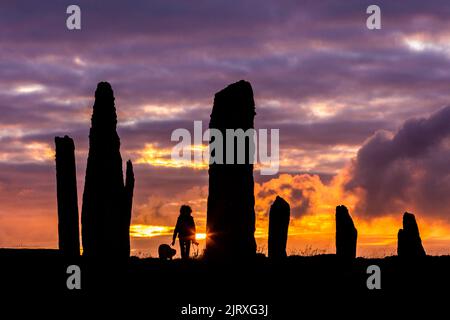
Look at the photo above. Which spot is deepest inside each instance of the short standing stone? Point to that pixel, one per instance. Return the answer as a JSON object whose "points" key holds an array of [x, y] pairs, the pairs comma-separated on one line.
{"points": [[346, 234], [279, 216], [409, 242]]}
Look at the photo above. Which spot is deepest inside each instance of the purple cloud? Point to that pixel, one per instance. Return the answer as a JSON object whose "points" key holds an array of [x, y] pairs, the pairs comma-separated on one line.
{"points": [[408, 170]]}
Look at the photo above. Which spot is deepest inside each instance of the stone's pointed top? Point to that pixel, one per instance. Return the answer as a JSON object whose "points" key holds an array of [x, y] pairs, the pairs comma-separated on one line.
{"points": [[104, 89], [103, 85], [237, 94], [409, 222], [243, 86], [104, 114], [280, 202], [129, 172], [234, 107], [343, 216], [342, 211]]}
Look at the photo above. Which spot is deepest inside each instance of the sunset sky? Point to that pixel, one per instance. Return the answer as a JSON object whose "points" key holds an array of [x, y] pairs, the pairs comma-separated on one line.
{"points": [[364, 115]]}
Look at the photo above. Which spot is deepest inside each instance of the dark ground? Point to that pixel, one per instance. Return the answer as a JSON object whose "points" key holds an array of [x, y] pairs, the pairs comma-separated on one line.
{"points": [[152, 287]]}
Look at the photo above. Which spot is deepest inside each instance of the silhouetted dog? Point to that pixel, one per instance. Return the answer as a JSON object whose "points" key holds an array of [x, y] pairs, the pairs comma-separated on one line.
{"points": [[166, 252]]}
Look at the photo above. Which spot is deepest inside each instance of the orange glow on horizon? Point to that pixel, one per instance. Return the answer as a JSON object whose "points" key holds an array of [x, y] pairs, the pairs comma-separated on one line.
{"points": [[313, 229], [161, 157], [376, 237], [149, 231], [200, 236]]}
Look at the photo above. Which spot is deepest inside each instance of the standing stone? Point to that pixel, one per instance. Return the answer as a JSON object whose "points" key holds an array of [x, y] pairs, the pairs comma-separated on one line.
{"points": [[231, 200], [66, 191], [409, 242], [129, 189], [346, 234], [106, 204], [279, 217]]}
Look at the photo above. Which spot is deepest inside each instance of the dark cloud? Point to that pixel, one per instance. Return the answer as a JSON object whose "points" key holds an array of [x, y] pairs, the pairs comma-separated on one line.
{"points": [[304, 206], [408, 170]]}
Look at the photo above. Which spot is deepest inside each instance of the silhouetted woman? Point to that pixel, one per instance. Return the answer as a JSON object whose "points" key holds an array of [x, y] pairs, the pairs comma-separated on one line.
{"points": [[185, 229]]}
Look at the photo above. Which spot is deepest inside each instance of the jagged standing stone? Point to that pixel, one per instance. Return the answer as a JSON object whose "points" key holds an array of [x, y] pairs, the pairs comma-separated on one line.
{"points": [[106, 203], [231, 200], [409, 242], [346, 234], [279, 217], [66, 191]]}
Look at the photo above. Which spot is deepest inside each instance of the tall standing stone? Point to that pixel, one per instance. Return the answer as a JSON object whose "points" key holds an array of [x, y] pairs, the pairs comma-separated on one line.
{"points": [[231, 200], [279, 217], [66, 190], [106, 204], [346, 234], [409, 242]]}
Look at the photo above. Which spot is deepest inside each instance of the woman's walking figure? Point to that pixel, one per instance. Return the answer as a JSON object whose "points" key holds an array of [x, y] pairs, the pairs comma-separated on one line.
{"points": [[185, 230]]}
